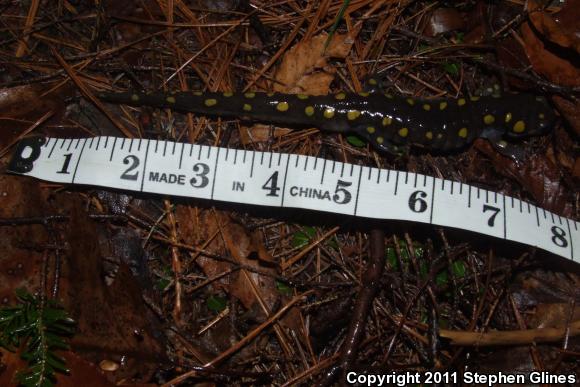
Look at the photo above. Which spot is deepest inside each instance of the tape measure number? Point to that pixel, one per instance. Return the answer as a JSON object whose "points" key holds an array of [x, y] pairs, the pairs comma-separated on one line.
{"points": [[293, 181]]}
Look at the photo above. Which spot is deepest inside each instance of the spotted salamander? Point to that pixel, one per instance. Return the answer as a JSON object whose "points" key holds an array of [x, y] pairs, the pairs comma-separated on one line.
{"points": [[386, 121]]}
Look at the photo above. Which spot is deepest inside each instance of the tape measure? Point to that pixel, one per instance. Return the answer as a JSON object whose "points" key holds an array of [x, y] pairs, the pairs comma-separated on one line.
{"points": [[292, 181]]}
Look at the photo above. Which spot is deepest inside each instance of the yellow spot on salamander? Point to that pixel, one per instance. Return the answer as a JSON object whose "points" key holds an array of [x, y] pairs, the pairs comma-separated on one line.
{"points": [[442, 105], [474, 98], [328, 112], [249, 95], [170, 99], [197, 93], [340, 96], [282, 106], [247, 107], [403, 132], [389, 96], [210, 102], [387, 121], [371, 129], [462, 133], [372, 81], [134, 98], [461, 101], [363, 94], [309, 111], [426, 107], [541, 116], [380, 140], [352, 114], [429, 135], [228, 94], [488, 119], [411, 101], [508, 117], [302, 96], [519, 127], [270, 94]]}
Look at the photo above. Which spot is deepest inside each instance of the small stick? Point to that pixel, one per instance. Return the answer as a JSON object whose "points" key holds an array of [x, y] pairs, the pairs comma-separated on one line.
{"points": [[370, 281]]}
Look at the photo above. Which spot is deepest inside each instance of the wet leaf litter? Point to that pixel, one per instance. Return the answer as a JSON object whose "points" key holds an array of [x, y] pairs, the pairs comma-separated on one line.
{"points": [[168, 291]]}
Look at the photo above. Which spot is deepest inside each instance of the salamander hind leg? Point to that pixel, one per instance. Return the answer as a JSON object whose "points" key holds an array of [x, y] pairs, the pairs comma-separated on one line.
{"points": [[496, 138]]}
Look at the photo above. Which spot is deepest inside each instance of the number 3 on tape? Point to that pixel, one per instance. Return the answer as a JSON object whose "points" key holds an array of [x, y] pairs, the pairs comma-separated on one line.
{"points": [[292, 181]]}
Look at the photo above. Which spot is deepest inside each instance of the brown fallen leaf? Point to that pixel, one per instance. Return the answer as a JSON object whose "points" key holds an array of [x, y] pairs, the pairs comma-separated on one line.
{"points": [[247, 286], [558, 69], [21, 246], [304, 67], [538, 176], [570, 110], [224, 237], [82, 372], [443, 20], [545, 61], [553, 315], [561, 28], [23, 105], [261, 133]]}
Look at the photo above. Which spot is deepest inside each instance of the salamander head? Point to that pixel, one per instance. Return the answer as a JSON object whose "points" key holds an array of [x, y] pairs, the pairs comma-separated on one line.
{"points": [[531, 115]]}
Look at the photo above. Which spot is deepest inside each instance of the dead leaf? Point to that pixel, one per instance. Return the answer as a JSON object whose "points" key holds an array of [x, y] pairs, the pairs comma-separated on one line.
{"points": [[262, 133], [23, 105], [304, 67], [538, 175], [233, 240], [444, 20], [21, 258], [562, 28], [546, 62], [560, 70], [552, 315], [82, 372], [112, 319], [570, 110]]}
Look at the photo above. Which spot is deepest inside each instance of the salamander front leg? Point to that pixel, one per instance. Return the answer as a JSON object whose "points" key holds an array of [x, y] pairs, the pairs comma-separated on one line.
{"points": [[385, 146], [375, 83]]}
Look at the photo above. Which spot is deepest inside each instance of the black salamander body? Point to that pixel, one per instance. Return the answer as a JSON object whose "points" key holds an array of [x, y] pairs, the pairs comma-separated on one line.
{"points": [[384, 120]]}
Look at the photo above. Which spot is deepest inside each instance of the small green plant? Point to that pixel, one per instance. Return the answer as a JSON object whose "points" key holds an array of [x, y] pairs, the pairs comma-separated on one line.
{"points": [[216, 303], [283, 288], [38, 328], [451, 68], [355, 141], [337, 21], [303, 237]]}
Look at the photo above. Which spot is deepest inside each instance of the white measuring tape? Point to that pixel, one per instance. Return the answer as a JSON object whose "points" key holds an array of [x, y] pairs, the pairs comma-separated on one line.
{"points": [[292, 181]]}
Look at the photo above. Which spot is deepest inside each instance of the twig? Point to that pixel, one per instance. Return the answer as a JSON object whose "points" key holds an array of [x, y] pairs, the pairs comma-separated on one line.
{"points": [[241, 343], [502, 338], [370, 282]]}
